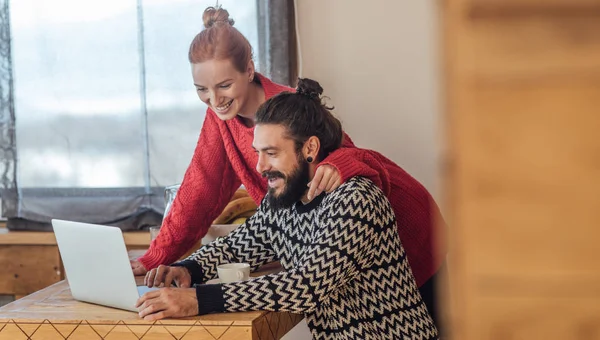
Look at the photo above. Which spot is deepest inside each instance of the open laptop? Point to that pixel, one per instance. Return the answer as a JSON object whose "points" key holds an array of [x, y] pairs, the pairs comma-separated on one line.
{"points": [[97, 265]]}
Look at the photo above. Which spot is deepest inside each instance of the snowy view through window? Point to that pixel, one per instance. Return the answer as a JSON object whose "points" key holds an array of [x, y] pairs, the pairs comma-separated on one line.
{"points": [[78, 103]]}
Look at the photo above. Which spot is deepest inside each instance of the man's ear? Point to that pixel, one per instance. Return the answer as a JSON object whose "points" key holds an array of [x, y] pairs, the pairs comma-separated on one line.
{"points": [[311, 148]]}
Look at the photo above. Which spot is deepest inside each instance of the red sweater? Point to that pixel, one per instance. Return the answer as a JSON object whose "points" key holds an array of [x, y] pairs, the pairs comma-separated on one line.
{"points": [[224, 159]]}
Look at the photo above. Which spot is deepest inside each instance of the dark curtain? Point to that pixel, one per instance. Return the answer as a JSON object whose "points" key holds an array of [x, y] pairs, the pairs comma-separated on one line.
{"points": [[8, 148], [277, 40]]}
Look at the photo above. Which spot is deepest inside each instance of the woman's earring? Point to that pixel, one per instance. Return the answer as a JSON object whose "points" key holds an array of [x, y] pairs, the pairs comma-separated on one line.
{"points": [[309, 159]]}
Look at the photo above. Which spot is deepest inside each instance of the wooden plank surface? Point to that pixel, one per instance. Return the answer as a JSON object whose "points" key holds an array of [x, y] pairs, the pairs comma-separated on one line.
{"points": [[522, 179], [56, 303], [7, 237], [520, 8], [157, 331], [53, 314]]}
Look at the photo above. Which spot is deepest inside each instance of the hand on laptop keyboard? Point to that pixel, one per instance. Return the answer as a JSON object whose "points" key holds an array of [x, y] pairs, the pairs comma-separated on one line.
{"points": [[163, 276]]}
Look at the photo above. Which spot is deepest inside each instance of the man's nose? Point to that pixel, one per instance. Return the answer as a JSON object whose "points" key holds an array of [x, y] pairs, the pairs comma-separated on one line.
{"points": [[261, 164]]}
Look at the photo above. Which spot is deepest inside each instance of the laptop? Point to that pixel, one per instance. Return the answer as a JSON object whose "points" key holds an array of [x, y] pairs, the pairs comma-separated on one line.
{"points": [[97, 265]]}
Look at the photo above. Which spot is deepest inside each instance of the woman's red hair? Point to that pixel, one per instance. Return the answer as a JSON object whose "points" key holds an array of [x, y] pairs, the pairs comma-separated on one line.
{"points": [[220, 40]]}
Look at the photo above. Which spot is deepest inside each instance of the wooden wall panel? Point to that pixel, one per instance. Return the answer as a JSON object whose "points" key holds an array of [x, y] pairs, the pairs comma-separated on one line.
{"points": [[534, 48], [539, 4], [522, 176], [529, 318], [533, 153], [535, 7]]}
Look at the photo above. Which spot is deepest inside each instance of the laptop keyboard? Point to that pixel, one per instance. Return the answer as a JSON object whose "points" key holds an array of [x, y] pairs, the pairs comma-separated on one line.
{"points": [[144, 289]]}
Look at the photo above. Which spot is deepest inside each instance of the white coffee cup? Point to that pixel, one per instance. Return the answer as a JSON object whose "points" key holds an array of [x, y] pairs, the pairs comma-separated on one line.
{"points": [[232, 272]]}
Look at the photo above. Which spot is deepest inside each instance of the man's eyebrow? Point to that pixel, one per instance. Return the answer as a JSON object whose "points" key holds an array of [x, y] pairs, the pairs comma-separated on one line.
{"points": [[266, 148]]}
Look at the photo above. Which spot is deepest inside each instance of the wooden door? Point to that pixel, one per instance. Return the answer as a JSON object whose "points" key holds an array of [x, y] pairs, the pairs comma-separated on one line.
{"points": [[522, 175]]}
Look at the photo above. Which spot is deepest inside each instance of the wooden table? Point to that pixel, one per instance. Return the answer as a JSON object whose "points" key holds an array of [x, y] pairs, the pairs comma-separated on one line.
{"points": [[52, 313]]}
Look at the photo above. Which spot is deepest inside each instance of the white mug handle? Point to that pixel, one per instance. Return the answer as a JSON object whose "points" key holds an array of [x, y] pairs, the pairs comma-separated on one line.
{"points": [[240, 275]]}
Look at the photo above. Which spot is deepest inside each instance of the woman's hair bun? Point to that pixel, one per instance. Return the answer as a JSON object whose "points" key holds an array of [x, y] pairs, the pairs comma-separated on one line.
{"points": [[215, 15]]}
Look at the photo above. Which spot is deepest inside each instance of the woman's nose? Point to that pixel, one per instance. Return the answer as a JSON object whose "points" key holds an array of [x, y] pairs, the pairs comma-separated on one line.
{"points": [[214, 100]]}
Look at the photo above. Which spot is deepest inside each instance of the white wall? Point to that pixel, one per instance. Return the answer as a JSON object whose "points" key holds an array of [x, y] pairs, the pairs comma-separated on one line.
{"points": [[378, 62]]}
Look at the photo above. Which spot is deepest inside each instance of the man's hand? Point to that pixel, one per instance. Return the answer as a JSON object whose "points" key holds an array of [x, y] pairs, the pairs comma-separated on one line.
{"points": [[326, 178], [138, 268], [166, 274], [168, 303]]}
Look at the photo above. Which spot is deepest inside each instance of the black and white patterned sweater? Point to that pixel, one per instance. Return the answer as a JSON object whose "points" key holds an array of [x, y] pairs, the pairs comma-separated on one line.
{"points": [[344, 267]]}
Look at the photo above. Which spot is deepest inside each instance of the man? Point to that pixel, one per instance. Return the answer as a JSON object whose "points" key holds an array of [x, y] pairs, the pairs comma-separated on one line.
{"points": [[344, 266]]}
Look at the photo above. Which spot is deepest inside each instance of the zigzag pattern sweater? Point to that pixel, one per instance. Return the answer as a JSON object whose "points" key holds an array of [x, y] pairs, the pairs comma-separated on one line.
{"points": [[344, 267]]}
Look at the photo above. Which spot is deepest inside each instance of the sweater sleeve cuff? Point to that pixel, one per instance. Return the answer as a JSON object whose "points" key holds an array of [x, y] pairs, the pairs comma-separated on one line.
{"points": [[210, 299], [152, 258], [347, 167], [347, 161], [193, 267]]}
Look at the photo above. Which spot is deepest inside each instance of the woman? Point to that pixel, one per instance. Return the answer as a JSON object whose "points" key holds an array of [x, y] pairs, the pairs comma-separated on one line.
{"points": [[225, 79]]}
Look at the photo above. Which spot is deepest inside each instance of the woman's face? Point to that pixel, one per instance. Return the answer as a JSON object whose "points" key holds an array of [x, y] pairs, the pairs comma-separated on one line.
{"points": [[223, 88]]}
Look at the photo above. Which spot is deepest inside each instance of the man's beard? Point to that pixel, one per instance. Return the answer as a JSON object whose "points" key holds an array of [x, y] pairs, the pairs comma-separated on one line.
{"points": [[295, 186]]}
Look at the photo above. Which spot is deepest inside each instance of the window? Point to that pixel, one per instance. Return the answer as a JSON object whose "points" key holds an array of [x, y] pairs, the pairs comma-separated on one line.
{"points": [[103, 113], [85, 84]]}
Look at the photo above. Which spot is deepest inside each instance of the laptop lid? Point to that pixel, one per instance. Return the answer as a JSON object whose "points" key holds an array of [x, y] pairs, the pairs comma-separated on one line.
{"points": [[96, 264]]}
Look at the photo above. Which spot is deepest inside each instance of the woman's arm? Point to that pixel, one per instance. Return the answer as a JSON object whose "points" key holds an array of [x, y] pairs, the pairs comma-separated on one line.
{"points": [[347, 162], [207, 187]]}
